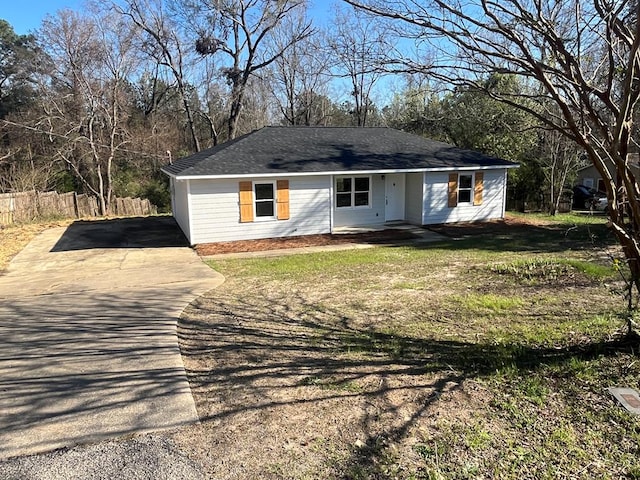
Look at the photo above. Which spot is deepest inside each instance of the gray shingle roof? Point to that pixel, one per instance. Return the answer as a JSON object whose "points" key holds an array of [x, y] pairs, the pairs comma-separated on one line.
{"points": [[282, 150]]}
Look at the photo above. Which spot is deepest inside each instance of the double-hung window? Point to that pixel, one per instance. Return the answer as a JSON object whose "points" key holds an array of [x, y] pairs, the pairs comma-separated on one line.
{"points": [[465, 187], [353, 192], [265, 200]]}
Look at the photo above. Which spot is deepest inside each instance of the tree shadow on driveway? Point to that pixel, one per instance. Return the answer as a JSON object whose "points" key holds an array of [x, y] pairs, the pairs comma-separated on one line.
{"points": [[106, 370]]}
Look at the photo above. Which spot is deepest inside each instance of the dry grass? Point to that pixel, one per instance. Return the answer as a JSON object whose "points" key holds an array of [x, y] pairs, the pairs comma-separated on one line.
{"points": [[13, 238], [413, 363]]}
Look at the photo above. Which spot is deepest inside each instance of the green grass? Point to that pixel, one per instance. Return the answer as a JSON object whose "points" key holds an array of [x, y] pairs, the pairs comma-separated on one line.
{"points": [[482, 303], [565, 218], [553, 268], [332, 384], [592, 269]]}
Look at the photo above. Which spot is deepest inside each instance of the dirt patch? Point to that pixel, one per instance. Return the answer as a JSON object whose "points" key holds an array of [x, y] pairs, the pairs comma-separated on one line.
{"points": [[285, 392], [510, 225], [380, 237]]}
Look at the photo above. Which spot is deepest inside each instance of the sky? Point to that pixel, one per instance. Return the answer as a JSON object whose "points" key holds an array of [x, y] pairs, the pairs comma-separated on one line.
{"points": [[26, 15]]}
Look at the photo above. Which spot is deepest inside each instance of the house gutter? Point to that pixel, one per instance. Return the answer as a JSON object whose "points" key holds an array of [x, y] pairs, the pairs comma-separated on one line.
{"points": [[341, 172]]}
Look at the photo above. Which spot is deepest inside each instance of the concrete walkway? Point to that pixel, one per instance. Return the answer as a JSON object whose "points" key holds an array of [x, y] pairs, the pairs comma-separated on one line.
{"points": [[88, 344]]}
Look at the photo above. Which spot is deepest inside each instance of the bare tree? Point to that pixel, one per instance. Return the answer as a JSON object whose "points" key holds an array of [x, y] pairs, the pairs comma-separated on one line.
{"points": [[215, 99], [299, 76], [85, 98], [358, 46], [164, 44], [581, 59], [559, 158], [241, 31]]}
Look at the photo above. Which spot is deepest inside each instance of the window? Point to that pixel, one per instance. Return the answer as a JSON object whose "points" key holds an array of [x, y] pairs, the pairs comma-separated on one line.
{"points": [[465, 188], [465, 185], [265, 199], [353, 192]]}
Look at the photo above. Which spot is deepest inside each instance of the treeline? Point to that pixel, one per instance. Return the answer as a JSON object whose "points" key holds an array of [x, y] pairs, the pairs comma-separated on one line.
{"points": [[97, 101]]}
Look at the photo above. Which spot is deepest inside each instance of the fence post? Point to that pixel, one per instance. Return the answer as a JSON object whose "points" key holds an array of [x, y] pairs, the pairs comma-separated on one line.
{"points": [[76, 210]]}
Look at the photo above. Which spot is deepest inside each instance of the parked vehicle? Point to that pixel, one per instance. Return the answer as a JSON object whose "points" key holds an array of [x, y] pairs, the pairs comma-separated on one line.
{"points": [[588, 199]]}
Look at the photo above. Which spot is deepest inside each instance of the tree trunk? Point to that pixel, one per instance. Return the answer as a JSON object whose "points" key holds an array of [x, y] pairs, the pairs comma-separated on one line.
{"points": [[190, 121], [237, 95]]}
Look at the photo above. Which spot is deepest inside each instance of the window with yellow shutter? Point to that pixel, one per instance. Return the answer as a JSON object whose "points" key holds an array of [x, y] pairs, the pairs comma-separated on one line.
{"points": [[465, 188], [264, 201]]}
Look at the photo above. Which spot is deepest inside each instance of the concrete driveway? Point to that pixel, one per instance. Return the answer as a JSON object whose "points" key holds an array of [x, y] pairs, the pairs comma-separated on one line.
{"points": [[88, 344]]}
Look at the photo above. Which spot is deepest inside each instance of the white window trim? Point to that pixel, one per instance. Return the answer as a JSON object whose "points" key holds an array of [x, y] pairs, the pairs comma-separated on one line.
{"points": [[471, 190], [270, 218], [353, 192]]}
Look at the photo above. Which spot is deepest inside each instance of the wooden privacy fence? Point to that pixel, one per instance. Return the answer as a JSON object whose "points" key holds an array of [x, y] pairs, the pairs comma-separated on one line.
{"points": [[29, 206]]}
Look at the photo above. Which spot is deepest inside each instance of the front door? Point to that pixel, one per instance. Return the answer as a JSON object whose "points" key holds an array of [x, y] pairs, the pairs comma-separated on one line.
{"points": [[394, 197]]}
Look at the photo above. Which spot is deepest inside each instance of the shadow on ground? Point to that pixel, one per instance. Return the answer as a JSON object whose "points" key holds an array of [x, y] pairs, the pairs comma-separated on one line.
{"points": [[515, 235], [134, 232], [103, 371], [267, 359]]}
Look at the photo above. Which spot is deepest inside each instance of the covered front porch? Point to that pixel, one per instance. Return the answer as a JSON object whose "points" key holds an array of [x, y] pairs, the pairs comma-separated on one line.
{"points": [[373, 202], [404, 229]]}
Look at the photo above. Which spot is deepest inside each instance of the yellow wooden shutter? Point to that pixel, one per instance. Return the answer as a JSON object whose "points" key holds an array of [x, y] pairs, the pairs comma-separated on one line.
{"points": [[282, 199], [478, 188], [246, 202], [453, 189]]}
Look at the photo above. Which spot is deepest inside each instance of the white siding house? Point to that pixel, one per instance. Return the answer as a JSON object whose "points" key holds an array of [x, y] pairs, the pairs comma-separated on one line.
{"points": [[309, 215], [291, 181], [180, 204], [436, 187]]}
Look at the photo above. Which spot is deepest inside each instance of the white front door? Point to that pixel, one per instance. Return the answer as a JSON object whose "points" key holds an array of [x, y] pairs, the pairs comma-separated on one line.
{"points": [[394, 197]]}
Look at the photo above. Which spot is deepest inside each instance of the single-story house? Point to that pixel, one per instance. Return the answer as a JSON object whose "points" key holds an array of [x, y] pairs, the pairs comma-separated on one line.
{"points": [[289, 181], [590, 177]]}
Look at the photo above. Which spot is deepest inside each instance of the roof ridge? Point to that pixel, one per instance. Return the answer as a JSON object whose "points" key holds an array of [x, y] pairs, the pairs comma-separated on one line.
{"points": [[234, 141]]}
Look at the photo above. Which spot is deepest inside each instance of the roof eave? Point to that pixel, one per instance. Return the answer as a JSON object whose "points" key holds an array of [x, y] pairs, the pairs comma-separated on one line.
{"points": [[339, 172]]}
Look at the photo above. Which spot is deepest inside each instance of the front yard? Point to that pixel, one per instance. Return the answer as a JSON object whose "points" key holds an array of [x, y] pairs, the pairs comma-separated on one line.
{"points": [[483, 356]]}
